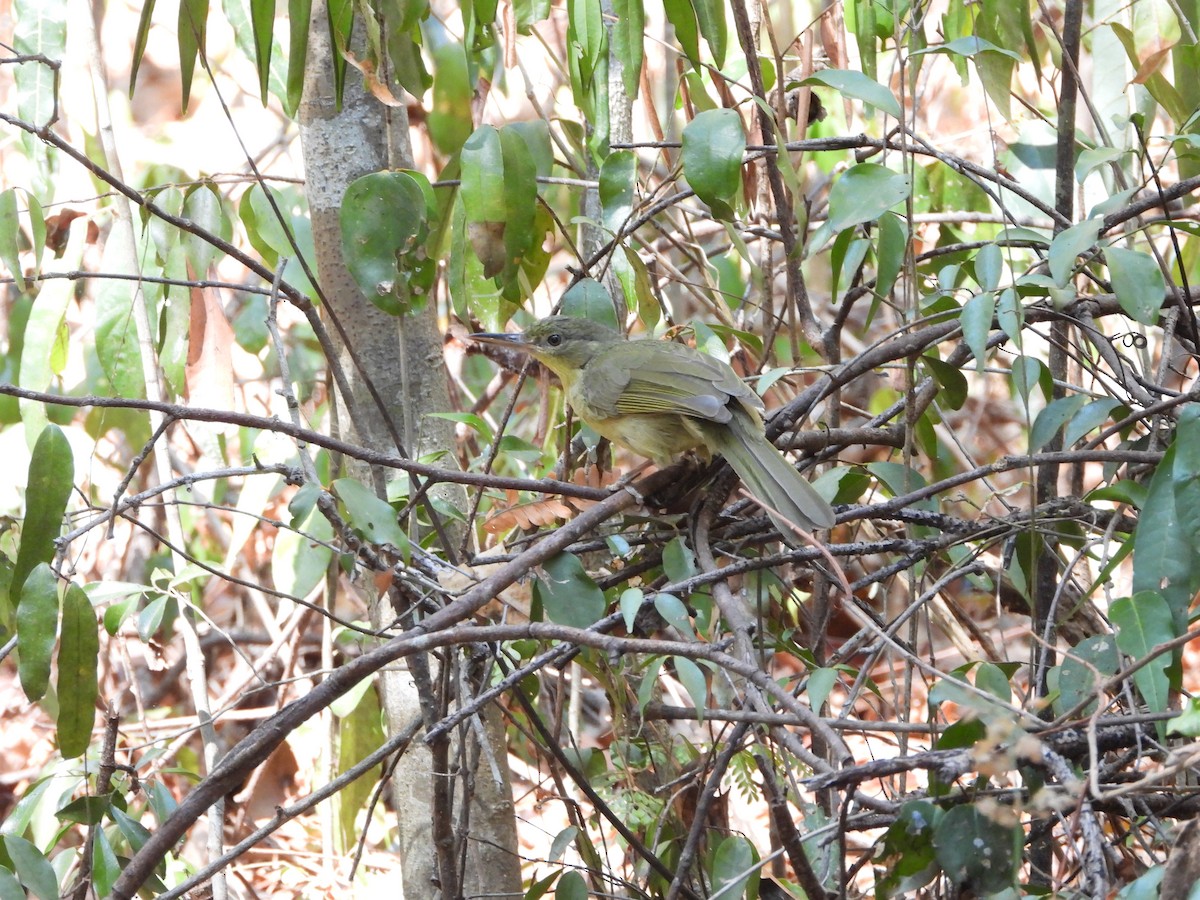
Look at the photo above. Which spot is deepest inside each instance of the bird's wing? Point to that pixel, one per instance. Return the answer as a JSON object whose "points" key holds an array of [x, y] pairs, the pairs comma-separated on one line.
{"points": [[672, 379]]}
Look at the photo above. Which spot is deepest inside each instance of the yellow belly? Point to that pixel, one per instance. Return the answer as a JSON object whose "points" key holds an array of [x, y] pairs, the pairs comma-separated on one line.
{"points": [[658, 437]]}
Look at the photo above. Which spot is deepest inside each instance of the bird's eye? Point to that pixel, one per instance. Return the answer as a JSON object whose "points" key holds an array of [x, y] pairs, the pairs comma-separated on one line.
{"points": [[554, 339]]}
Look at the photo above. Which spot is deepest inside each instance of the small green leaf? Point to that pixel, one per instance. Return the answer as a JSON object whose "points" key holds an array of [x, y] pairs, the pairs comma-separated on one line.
{"points": [[33, 868], [78, 654], [989, 263], [893, 244], [372, 518], [262, 20], [976, 319], [710, 16], [864, 193], [617, 181], [1084, 667], [299, 16], [733, 867], [10, 232], [672, 609], [693, 681], [1067, 245], [589, 299], [385, 223], [682, 16], [1143, 621], [820, 684], [968, 47], [191, 31], [1138, 283], [568, 593], [1089, 419], [976, 850], [628, 34], [850, 83], [1051, 419], [951, 379], [631, 601], [51, 473], [714, 144], [1187, 723], [679, 563], [37, 628]]}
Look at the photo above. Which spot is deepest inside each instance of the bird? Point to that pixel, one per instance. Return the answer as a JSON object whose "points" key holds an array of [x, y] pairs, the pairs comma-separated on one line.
{"points": [[660, 399]]}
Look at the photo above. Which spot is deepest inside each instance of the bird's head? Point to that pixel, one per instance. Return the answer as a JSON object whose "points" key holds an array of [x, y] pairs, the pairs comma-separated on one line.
{"points": [[563, 344]]}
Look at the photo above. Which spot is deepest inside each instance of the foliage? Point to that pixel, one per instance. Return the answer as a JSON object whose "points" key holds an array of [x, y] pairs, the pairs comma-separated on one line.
{"points": [[972, 318]]}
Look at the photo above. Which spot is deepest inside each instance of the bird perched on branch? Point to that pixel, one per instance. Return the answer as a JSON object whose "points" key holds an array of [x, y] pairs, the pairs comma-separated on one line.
{"points": [[659, 399]]}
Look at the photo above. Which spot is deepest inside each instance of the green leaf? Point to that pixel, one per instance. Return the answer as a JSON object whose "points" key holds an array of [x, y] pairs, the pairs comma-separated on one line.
{"points": [[951, 379], [672, 609], [571, 887], [618, 174], [106, 868], [359, 733], [1138, 283], [976, 850], [299, 16], [907, 850], [1068, 244], [589, 299], [373, 519], [1010, 315], [682, 16], [710, 16], [692, 678], [10, 888], [989, 263], [450, 114], [733, 867], [520, 195], [1051, 419], [976, 321], [78, 655], [850, 83], [679, 563], [1027, 372], [568, 593], [1089, 419], [1084, 667], [714, 144], [628, 33], [483, 197], [10, 231], [51, 473], [203, 207], [262, 19], [1187, 723], [37, 628], [41, 28], [864, 193], [139, 44], [820, 684], [968, 47], [631, 601], [385, 223], [892, 245], [33, 868], [86, 810], [1164, 544], [192, 28], [1143, 621]]}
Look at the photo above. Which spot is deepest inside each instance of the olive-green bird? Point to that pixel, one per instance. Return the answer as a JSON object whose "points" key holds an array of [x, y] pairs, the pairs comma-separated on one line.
{"points": [[659, 398]]}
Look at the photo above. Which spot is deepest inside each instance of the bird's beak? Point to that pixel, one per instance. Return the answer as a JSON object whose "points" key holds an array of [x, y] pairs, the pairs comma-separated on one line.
{"points": [[505, 339]]}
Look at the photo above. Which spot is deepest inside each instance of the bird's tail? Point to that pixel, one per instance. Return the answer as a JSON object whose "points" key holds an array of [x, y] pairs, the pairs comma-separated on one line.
{"points": [[769, 476]]}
